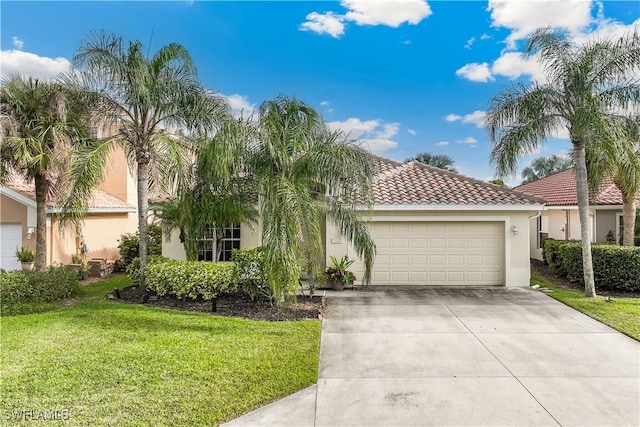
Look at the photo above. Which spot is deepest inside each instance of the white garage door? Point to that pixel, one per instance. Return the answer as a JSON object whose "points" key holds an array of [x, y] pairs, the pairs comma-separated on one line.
{"points": [[10, 239], [439, 253]]}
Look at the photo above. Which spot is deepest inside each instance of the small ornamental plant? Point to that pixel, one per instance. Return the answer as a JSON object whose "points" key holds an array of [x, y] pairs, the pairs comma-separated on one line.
{"points": [[25, 255]]}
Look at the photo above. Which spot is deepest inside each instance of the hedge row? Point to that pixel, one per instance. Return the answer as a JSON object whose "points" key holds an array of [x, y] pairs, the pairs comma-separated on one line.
{"points": [[191, 279], [614, 267], [20, 287]]}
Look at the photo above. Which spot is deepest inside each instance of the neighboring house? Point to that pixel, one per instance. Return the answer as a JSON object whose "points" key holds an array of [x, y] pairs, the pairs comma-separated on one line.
{"points": [[560, 218], [111, 212], [431, 227]]}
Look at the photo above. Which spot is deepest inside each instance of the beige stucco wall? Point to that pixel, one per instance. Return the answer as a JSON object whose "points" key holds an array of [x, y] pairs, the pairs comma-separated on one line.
{"points": [[563, 224], [15, 212], [101, 233], [517, 265]]}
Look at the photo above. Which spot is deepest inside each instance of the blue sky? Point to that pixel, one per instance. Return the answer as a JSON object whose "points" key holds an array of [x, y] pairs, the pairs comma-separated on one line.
{"points": [[401, 76]]}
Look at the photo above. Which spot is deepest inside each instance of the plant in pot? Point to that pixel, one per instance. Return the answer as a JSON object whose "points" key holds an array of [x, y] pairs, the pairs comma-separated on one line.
{"points": [[338, 274], [80, 266], [27, 258]]}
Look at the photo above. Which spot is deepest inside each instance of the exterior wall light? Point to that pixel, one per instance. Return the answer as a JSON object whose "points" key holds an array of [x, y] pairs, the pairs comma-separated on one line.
{"points": [[514, 230], [30, 231]]}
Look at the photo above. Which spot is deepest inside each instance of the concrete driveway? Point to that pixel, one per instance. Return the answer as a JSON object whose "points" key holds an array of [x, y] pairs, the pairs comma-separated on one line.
{"points": [[463, 357]]}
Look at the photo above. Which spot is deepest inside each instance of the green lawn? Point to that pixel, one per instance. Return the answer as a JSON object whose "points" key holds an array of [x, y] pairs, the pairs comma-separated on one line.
{"points": [[109, 363], [622, 314]]}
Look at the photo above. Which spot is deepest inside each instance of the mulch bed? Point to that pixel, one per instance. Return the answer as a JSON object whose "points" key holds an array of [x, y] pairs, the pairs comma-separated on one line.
{"points": [[231, 305], [543, 270]]}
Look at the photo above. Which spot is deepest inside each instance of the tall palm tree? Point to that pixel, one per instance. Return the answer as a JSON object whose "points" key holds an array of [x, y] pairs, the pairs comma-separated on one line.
{"points": [[544, 166], [41, 123], [303, 172], [150, 101], [216, 191], [585, 85], [623, 167], [441, 161]]}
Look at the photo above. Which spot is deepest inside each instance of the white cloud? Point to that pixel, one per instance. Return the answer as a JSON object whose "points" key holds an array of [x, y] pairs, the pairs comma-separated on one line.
{"points": [[392, 13], [411, 132], [324, 23], [17, 43], [372, 134], [355, 128], [515, 64], [442, 143], [475, 72], [377, 145], [468, 140], [324, 103], [485, 36], [477, 118], [524, 17], [469, 43], [240, 105], [30, 64]]}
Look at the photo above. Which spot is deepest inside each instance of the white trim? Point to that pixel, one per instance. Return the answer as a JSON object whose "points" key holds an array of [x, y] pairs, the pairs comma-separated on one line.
{"points": [[575, 207], [18, 197], [434, 207]]}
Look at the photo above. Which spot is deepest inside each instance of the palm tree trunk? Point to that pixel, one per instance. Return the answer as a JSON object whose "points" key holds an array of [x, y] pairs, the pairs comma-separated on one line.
{"points": [[583, 209], [628, 219], [42, 190], [143, 208]]}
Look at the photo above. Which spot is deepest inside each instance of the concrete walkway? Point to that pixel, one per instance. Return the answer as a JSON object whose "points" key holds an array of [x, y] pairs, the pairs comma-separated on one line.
{"points": [[463, 357]]}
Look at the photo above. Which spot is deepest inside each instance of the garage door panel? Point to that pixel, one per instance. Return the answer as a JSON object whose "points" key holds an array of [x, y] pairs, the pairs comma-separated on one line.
{"points": [[10, 240], [438, 253]]}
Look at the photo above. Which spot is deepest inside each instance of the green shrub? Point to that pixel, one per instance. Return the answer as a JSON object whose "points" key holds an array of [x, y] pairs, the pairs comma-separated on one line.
{"points": [[129, 244], [20, 287], [551, 256], [25, 255], [614, 267], [133, 269], [249, 273], [191, 279]]}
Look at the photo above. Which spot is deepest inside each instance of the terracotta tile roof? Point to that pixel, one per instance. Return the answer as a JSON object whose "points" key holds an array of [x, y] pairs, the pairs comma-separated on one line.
{"points": [[417, 183], [559, 189], [99, 199]]}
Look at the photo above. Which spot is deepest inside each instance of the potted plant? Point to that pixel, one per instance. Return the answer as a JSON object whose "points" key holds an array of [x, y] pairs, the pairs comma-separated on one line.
{"points": [[80, 266], [338, 274], [27, 258]]}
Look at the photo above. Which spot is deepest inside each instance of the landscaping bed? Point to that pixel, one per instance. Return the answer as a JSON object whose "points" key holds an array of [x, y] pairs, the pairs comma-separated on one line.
{"points": [[231, 305], [545, 272]]}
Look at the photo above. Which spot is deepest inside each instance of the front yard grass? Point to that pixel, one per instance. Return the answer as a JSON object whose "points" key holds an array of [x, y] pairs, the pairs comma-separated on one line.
{"points": [[115, 364], [622, 314]]}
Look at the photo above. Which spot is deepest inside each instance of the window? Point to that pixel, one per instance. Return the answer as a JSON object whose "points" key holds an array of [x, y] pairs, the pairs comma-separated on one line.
{"points": [[230, 241], [206, 245], [619, 227], [540, 235]]}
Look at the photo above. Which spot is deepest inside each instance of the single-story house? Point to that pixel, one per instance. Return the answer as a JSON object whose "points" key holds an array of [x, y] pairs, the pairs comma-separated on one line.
{"points": [[111, 212], [560, 218], [431, 227]]}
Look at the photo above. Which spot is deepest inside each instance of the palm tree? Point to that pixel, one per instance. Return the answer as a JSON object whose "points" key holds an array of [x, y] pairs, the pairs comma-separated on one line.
{"points": [[441, 161], [303, 172], [216, 191], [623, 167], [41, 122], [544, 166], [150, 101], [585, 85]]}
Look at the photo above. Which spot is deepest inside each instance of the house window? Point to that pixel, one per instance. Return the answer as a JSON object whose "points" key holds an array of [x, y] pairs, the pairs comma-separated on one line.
{"points": [[230, 241], [540, 235], [206, 246], [619, 228]]}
